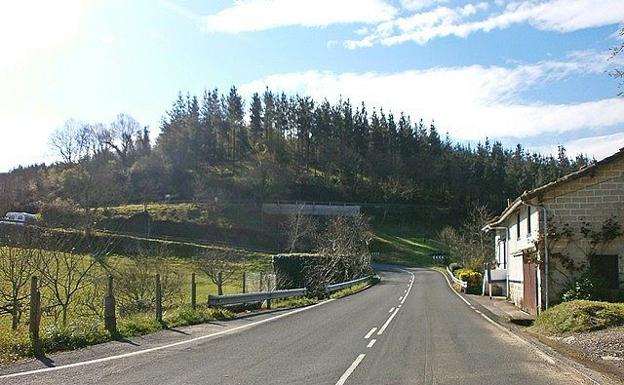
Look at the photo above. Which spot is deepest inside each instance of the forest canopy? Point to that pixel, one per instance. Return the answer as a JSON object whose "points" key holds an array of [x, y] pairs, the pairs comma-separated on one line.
{"points": [[277, 147]]}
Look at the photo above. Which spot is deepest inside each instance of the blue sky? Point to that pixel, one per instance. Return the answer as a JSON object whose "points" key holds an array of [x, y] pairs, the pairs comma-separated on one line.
{"points": [[524, 71]]}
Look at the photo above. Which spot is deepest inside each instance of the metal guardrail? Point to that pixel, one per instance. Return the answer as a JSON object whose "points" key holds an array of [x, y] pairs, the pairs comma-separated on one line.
{"points": [[338, 286], [233, 299], [461, 283]]}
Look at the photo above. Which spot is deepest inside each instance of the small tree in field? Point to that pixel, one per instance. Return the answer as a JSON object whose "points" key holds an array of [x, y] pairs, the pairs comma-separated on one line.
{"points": [[135, 285], [219, 266], [16, 267], [64, 275]]}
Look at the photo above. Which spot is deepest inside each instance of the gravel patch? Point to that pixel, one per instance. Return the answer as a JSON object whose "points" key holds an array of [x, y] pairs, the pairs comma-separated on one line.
{"points": [[602, 345]]}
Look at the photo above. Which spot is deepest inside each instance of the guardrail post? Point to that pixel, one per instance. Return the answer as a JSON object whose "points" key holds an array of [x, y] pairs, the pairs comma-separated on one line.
{"points": [[220, 283], [110, 321], [158, 299], [244, 282], [193, 292], [35, 316]]}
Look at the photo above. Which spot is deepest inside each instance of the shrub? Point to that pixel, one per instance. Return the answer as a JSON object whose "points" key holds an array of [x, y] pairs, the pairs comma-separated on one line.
{"points": [[472, 278], [454, 266], [76, 335], [61, 213], [579, 316], [590, 287]]}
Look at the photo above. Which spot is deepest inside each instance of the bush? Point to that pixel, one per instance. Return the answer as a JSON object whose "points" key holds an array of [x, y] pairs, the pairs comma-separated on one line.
{"points": [[591, 287], [454, 266], [61, 213], [76, 335], [579, 316], [473, 278]]}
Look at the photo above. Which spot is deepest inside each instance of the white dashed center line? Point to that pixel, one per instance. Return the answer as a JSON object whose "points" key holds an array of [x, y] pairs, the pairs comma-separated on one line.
{"points": [[350, 370], [371, 343], [370, 333]]}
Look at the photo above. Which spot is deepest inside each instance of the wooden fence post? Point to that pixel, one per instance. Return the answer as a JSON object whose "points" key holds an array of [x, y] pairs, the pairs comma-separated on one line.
{"points": [[244, 282], [35, 316], [158, 299], [110, 320], [220, 283], [193, 292]]}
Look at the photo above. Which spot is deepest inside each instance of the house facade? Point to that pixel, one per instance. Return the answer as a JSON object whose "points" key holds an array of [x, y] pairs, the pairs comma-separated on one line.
{"points": [[583, 215]]}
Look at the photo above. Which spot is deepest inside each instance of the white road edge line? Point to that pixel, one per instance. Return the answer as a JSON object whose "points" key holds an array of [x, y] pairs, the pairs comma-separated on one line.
{"points": [[371, 343], [542, 355], [370, 333], [157, 348], [350, 370]]}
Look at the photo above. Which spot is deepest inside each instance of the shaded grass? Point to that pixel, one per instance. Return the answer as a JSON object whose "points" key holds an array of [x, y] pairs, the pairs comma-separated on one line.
{"points": [[579, 316], [401, 246]]}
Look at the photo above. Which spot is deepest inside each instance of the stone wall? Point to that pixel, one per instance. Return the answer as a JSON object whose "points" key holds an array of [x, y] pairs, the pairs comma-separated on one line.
{"points": [[593, 199]]}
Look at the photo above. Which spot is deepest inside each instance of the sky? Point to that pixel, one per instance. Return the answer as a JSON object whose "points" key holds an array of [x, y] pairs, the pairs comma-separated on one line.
{"points": [[533, 72]]}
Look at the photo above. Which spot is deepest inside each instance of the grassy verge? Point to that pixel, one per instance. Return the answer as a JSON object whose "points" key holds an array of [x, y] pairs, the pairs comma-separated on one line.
{"points": [[16, 344], [293, 302], [355, 288], [579, 316]]}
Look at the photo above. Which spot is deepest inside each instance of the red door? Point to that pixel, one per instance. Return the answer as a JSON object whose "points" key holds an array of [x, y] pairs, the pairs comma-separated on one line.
{"points": [[529, 301]]}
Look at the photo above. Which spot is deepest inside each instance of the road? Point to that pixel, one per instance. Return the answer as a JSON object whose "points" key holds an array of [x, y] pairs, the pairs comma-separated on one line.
{"points": [[409, 329]]}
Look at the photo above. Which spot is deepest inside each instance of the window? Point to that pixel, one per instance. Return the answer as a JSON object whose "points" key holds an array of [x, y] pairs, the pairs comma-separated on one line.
{"points": [[518, 225], [528, 221]]}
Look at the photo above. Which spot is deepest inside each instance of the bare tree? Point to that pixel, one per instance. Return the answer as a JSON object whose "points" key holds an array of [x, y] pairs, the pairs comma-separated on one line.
{"points": [[73, 141], [345, 240], [302, 232], [469, 244], [64, 275], [618, 72], [219, 266], [119, 137], [134, 277], [16, 268]]}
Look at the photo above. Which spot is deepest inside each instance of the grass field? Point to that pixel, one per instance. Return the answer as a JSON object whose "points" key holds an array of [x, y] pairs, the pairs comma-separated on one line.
{"points": [[134, 283], [402, 246]]}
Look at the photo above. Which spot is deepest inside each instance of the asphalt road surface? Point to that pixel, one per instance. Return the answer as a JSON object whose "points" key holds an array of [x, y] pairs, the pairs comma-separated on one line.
{"points": [[409, 329]]}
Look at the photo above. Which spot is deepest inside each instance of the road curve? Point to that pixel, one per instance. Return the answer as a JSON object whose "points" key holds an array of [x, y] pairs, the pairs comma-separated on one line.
{"points": [[409, 329]]}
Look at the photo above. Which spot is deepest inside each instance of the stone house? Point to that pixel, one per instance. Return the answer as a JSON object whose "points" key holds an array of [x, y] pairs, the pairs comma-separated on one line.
{"points": [[583, 213]]}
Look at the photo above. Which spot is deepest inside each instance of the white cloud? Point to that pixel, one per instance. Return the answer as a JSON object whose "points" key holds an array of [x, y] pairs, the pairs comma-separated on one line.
{"points": [[415, 5], [469, 102], [597, 146], [552, 15], [34, 27], [258, 15]]}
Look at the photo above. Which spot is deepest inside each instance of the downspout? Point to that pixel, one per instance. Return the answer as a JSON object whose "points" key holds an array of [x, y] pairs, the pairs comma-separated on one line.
{"points": [[546, 257]]}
